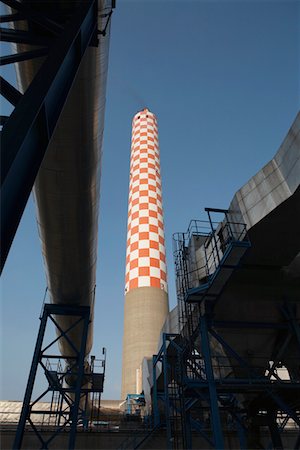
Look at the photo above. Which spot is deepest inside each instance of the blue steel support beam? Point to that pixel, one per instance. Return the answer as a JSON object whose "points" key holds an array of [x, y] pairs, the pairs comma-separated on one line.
{"points": [[34, 16], [197, 427], [5, 18], [154, 394], [63, 333], [35, 118], [3, 120], [166, 392], [293, 322], [187, 428], [240, 430], [79, 382], [24, 37], [23, 56], [285, 407], [274, 431], [29, 388], [213, 398], [8, 91], [27, 409]]}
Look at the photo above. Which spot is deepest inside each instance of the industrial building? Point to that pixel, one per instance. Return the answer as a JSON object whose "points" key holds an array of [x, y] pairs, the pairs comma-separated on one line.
{"points": [[61, 54], [221, 370]]}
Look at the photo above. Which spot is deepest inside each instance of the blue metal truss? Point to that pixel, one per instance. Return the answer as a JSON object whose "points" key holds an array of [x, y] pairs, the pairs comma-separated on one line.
{"points": [[71, 394], [74, 383], [216, 395], [27, 132]]}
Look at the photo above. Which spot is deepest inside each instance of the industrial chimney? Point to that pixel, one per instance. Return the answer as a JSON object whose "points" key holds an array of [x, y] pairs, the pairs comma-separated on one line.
{"points": [[146, 292]]}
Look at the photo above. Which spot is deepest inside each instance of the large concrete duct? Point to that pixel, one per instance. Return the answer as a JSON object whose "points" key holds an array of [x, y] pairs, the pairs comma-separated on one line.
{"points": [[146, 298], [269, 272], [269, 203], [67, 187]]}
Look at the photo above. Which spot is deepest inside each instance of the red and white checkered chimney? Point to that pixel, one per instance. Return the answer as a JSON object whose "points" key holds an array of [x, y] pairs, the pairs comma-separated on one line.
{"points": [[146, 299]]}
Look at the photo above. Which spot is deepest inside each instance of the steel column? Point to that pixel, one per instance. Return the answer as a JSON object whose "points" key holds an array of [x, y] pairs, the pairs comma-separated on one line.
{"points": [[166, 393], [187, 428], [274, 431], [215, 414], [293, 323], [31, 379], [79, 383], [56, 379], [241, 433], [154, 394]]}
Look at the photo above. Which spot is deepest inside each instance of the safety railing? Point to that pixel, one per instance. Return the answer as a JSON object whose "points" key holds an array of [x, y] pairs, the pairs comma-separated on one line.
{"points": [[199, 253]]}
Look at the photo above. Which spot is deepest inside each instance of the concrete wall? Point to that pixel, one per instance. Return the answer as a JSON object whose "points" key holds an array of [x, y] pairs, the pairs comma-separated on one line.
{"points": [[146, 309], [273, 184]]}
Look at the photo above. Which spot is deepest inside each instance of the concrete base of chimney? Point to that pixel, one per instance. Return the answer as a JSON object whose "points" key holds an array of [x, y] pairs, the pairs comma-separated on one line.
{"points": [[145, 312]]}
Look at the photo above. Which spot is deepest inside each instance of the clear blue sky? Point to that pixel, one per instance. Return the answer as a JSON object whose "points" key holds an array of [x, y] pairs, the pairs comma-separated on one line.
{"points": [[223, 79]]}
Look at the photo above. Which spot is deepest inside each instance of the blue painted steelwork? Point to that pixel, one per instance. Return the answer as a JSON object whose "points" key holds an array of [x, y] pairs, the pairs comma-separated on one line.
{"points": [[23, 56], [219, 393], [9, 92], [215, 378], [79, 382], [26, 12], [215, 414], [293, 324], [172, 399], [37, 111], [165, 365], [262, 381], [133, 403], [72, 377]]}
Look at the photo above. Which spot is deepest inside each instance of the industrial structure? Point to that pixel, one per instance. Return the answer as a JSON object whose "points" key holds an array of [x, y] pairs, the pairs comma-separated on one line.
{"points": [[146, 292], [227, 375], [61, 55], [219, 371]]}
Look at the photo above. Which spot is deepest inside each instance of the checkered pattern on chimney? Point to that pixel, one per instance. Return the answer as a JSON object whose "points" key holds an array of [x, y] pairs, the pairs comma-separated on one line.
{"points": [[146, 255]]}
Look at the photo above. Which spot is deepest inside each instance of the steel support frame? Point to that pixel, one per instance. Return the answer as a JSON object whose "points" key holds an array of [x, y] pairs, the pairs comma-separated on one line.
{"points": [[50, 310], [187, 293], [36, 114], [208, 387], [162, 357], [187, 423], [165, 365], [213, 396], [213, 388], [198, 395], [264, 381]]}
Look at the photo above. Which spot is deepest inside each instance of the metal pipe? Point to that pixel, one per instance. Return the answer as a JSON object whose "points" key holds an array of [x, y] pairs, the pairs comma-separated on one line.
{"points": [[67, 188]]}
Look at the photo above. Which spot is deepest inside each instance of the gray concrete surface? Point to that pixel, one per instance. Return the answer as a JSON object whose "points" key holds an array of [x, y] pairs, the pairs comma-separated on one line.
{"points": [[145, 312]]}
